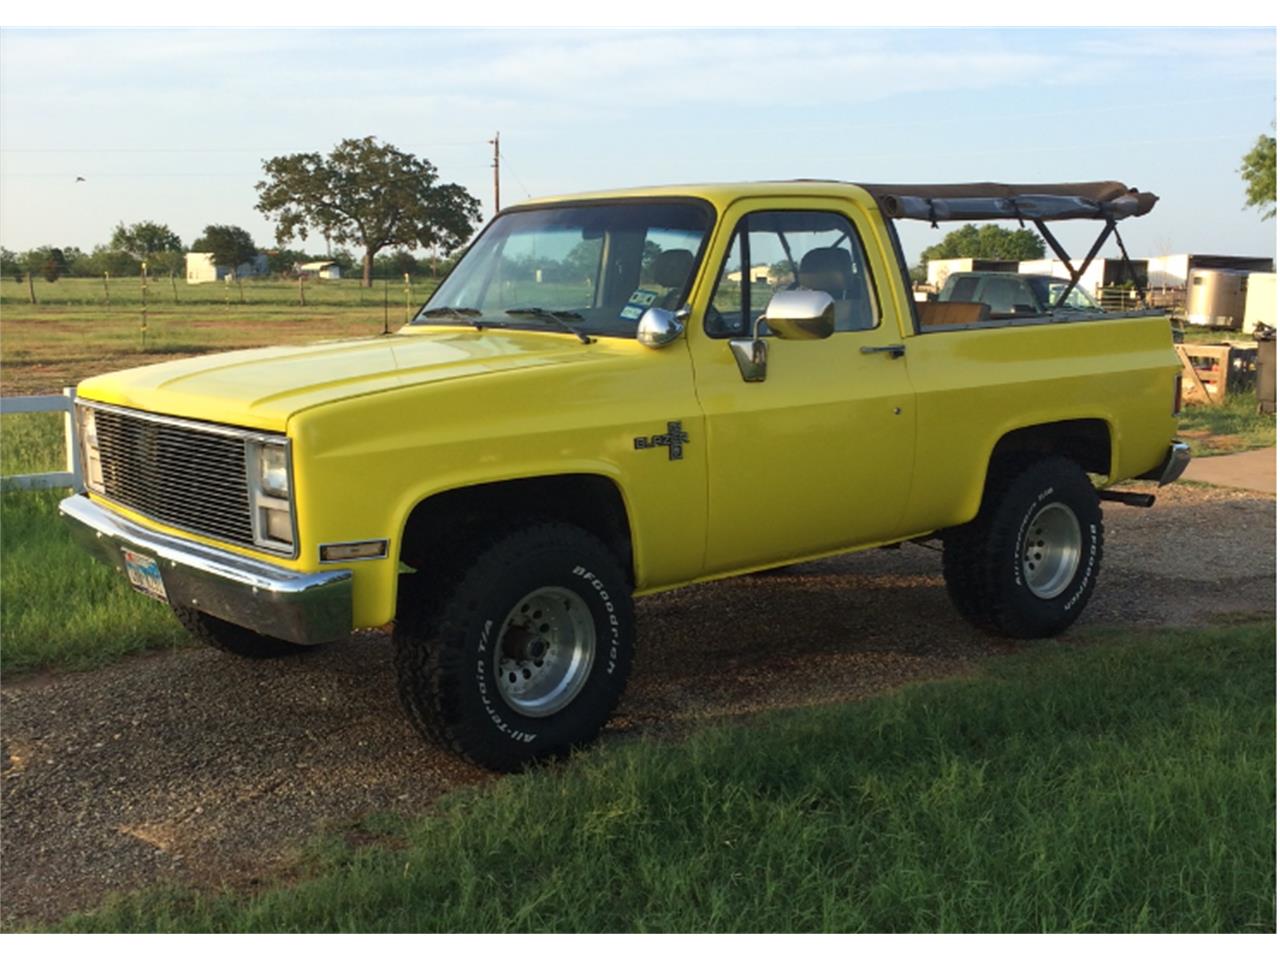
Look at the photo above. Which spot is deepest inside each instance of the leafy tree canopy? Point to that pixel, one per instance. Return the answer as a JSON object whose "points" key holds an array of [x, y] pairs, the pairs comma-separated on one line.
{"points": [[366, 193], [230, 246], [1258, 171], [49, 262], [106, 259], [144, 239], [10, 264], [988, 242], [167, 262]]}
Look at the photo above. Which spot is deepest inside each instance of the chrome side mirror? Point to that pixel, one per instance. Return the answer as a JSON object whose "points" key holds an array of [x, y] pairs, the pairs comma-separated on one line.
{"points": [[791, 315], [801, 314], [659, 327]]}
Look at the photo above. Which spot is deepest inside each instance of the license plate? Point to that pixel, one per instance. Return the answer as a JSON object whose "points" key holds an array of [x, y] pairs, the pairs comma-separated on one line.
{"points": [[144, 573]]}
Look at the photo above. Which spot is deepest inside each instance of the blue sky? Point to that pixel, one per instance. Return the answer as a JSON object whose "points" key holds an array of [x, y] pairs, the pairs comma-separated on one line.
{"points": [[172, 125]]}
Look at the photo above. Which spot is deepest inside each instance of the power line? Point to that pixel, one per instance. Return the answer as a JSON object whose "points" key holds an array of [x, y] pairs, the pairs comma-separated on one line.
{"points": [[516, 176]]}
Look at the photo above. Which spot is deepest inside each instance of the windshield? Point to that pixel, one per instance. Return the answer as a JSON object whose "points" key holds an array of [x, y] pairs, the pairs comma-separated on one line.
{"points": [[1048, 289], [596, 266]]}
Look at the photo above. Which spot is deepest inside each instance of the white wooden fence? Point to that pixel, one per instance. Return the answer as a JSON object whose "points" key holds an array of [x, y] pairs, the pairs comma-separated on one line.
{"points": [[71, 476]]}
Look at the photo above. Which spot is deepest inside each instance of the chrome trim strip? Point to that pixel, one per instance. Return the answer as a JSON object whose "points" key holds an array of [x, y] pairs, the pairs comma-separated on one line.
{"points": [[1179, 457], [204, 425], [1171, 467], [303, 608]]}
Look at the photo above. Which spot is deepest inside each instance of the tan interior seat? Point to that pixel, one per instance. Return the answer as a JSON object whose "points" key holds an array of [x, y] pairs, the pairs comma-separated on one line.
{"points": [[830, 269]]}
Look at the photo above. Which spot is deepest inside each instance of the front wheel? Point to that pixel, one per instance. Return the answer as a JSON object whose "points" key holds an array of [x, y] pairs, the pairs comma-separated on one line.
{"points": [[521, 653], [1027, 564]]}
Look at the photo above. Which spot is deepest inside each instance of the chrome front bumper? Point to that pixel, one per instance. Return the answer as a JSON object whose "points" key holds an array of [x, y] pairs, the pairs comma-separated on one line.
{"points": [[304, 608], [1171, 467]]}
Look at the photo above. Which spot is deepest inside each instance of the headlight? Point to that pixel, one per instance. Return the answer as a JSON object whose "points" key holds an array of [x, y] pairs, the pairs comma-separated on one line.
{"points": [[269, 490], [273, 471], [90, 459]]}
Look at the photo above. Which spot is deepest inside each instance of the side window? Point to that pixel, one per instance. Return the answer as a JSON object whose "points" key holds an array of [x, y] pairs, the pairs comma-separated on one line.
{"points": [[728, 315], [963, 288], [792, 250], [1007, 296]]}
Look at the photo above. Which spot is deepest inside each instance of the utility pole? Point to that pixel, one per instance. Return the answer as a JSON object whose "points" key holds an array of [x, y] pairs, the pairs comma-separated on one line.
{"points": [[497, 154]]}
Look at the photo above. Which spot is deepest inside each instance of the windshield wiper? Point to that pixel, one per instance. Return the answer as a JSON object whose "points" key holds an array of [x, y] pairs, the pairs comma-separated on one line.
{"points": [[460, 312], [557, 318], [466, 314]]}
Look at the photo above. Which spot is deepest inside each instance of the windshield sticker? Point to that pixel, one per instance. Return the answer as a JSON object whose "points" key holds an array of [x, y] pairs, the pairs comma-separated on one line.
{"points": [[637, 303]]}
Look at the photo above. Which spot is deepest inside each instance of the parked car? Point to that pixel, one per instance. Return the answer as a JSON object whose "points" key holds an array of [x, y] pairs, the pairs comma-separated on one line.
{"points": [[1015, 294], [607, 398]]}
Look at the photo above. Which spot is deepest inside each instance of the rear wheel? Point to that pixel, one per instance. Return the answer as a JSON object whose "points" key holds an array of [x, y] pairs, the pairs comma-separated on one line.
{"points": [[1027, 564], [521, 652], [233, 638]]}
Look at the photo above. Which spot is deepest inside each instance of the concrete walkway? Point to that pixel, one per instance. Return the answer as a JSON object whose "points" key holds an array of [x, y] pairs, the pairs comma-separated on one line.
{"points": [[1254, 470]]}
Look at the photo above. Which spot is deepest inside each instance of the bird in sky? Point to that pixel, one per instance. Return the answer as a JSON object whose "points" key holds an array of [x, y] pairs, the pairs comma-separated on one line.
{"points": [[80, 180]]}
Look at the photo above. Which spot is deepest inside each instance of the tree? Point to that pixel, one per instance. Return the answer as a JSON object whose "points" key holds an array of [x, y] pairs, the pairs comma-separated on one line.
{"points": [[367, 193], [282, 261], [10, 265], [49, 262], [1258, 171], [403, 262], [230, 246], [118, 263], [145, 239], [988, 242], [55, 265], [171, 262]]}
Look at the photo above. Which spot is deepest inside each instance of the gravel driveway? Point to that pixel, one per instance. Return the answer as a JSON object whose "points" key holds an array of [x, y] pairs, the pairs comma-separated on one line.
{"points": [[199, 769]]}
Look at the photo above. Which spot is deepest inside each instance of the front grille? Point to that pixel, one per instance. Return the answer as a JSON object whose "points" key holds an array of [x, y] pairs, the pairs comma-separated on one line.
{"points": [[181, 475]]}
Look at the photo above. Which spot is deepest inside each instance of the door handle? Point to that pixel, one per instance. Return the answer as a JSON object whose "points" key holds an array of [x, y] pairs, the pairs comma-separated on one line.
{"points": [[895, 350]]}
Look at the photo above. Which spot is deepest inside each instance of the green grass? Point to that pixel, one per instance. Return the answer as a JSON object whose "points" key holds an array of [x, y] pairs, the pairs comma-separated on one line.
{"points": [[1232, 427], [32, 443], [58, 606], [1128, 785]]}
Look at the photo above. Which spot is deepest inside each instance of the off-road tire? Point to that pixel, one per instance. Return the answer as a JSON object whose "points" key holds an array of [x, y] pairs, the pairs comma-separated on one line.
{"points": [[449, 630], [233, 638], [983, 560]]}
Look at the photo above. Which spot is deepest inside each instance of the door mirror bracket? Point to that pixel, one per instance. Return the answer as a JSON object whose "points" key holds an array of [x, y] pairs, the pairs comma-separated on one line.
{"points": [[790, 315]]}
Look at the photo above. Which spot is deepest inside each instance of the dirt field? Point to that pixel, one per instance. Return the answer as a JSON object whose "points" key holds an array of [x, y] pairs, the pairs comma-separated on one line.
{"points": [[200, 769]]}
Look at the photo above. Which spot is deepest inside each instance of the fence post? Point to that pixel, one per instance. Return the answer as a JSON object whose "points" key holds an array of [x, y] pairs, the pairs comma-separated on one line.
{"points": [[144, 306], [106, 287], [407, 290], [69, 431]]}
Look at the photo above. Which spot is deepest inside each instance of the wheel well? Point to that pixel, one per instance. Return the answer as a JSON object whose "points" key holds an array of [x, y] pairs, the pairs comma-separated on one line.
{"points": [[594, 503], [1087, 442]]}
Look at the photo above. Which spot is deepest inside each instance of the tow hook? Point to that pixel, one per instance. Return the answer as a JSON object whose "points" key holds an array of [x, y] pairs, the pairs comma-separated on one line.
{"points": [[1128, 497]]}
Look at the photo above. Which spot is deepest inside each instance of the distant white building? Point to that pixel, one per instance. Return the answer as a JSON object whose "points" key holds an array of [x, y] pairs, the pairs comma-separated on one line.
{"points": [[202, 269], [321, 270], [759, 274]]}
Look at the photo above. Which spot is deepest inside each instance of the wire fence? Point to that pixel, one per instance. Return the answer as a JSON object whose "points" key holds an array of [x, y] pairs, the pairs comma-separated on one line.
{"points": [[132, 293]]}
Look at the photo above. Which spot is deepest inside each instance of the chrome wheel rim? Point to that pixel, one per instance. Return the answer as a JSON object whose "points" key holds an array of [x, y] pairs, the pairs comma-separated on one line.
{"points": [[544, 651], [1051, 551]]}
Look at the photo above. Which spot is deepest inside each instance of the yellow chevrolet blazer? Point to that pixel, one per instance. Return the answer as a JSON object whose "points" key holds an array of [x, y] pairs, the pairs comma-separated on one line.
{"points": [[621, 393]]}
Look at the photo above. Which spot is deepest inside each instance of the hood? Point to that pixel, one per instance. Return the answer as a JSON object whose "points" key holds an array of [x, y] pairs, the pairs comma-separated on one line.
{"points": [[262, 388]]}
